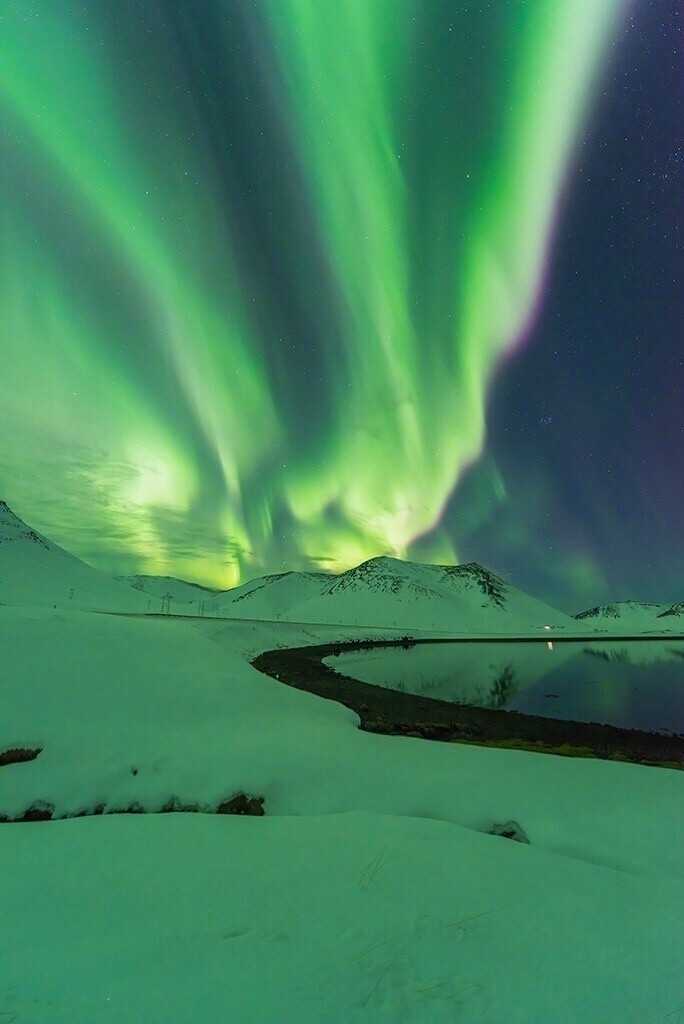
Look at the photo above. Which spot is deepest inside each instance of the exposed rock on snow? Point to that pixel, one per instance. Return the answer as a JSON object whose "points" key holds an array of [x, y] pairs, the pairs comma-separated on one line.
{"points": [[676, 610], [35, 571], [43, 810], [13, 529], [510, 830], [15, 755], [634, 617], [242, 804], [387, 592], [40, 810]]}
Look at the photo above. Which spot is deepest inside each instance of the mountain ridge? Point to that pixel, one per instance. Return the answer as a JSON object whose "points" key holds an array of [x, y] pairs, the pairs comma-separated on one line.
{"points": [[36, 571], [634, 615], [381, 591], [390, 592]]}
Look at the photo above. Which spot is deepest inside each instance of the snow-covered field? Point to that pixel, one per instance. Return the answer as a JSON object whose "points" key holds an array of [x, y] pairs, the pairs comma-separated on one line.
{"points": [[370, 890], [345, 917]]}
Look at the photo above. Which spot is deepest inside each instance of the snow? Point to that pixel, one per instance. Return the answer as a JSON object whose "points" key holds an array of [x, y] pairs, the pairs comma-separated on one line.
{"points": [[634, 617], [370, 890], [342, 918], [103, 695], [386, 592], [161, 587], [35, 571]]}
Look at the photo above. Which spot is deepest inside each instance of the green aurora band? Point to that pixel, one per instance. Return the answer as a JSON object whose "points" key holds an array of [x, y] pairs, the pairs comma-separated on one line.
{"points": [[260, 263]]}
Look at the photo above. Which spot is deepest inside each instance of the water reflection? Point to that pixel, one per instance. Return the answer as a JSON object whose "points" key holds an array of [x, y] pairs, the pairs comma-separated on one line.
{"points": [[637, 685]]}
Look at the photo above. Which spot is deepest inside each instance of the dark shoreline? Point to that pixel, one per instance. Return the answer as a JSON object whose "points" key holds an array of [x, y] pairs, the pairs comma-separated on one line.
{"points": [[395, 713]]}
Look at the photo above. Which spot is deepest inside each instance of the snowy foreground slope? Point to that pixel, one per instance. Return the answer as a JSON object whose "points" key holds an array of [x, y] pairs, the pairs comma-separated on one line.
{"points": [[370, 890], [634, 617], [314, 920]]}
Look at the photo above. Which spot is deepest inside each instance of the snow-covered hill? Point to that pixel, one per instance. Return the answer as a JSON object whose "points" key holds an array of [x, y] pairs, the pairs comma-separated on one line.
{"points": [[271, 597], [381, 592], [160, 587], [634, 617], [389, 592], [370, 890], [35, 571], [675, 612]]}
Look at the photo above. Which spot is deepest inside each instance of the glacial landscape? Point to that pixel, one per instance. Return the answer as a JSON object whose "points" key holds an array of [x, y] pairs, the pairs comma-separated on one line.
{"points": [[176, 822], [341, 549]]}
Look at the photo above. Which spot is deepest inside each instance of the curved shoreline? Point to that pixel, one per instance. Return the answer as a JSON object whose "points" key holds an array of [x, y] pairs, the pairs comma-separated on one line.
{"points": [[395, 713]]}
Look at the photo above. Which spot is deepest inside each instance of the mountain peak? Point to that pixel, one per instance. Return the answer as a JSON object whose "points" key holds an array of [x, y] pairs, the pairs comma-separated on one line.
{"points": [[378, 562], [36, 571], [675, 609], [617, 609], [12, 528], [6, 511]]}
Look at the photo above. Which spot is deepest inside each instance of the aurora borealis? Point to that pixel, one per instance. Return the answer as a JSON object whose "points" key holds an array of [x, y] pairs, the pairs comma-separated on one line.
{"points": [[278, 281]]}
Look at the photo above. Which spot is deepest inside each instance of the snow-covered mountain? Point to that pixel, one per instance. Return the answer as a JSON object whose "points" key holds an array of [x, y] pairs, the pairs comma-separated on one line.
{"points": [[381, 592], [271, 597], [634, 617], [389, 592], [35, 571], [160, 587], [674, 611]]}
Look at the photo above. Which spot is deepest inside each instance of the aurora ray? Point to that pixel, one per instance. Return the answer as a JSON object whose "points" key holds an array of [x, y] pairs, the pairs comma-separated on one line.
{"points": [[261, 262]]}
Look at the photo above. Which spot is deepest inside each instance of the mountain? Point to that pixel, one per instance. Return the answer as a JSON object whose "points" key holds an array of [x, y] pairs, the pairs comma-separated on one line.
{"points": [[381, 592], [270, 597], [35, 571], [159, 587], [676, 610], [634, 616], [389, 592]]}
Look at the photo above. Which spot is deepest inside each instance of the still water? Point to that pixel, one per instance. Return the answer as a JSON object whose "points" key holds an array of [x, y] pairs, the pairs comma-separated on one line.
{"points": [[635, 685]]}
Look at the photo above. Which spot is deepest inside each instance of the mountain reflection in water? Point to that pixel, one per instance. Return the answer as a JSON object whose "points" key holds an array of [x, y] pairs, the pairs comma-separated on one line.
{"points": [[635, 685]]}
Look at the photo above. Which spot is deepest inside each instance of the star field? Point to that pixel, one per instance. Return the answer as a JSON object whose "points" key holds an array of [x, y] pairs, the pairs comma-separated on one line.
{"points": [[290, 283]]}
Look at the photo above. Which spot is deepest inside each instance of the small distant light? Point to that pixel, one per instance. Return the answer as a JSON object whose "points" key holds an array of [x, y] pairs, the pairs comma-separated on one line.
{"points": [[547, 627], [549, 645]]}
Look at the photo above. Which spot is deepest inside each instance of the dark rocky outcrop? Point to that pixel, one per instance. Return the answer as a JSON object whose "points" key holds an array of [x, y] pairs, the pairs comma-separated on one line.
{"points": [[16, 755], [242, 804], [510, 830]]}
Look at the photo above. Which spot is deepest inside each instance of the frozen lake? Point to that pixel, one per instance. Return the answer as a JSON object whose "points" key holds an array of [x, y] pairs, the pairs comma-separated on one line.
{"points": [[634, 685]]}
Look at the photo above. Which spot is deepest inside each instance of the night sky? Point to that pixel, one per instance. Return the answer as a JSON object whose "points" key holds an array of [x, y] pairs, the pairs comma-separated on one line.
{"points": [[293, 283]]}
